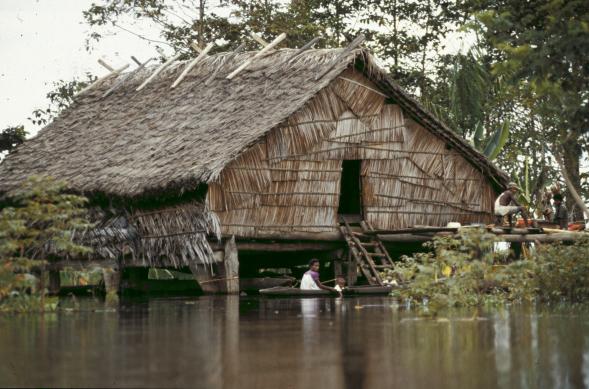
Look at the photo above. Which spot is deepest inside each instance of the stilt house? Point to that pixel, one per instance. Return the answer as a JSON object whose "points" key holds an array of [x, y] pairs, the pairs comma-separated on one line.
{"points": [[277, 152]]}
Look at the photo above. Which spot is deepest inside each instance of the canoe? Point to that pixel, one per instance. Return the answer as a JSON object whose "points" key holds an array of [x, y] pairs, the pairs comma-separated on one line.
{"points": [[257, 283], [364, 290]]}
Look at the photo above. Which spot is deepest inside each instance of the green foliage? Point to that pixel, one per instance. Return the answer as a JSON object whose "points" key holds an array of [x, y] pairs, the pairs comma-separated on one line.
{"points": [[11, 137], [60, 97], [38, 227], [539, 49], [497, 141], [466, 271]]}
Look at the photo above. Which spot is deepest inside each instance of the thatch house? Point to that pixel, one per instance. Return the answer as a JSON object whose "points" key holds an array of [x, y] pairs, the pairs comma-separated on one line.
{"points": [[274, 153]]}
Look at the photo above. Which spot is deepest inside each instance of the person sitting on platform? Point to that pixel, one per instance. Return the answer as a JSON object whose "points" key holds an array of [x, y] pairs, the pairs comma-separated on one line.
{"points": [[310, 279], [507, 205], [561, 214]]}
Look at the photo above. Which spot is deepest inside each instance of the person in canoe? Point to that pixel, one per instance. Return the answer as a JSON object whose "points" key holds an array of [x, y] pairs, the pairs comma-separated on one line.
{"points": [[310, 280]]}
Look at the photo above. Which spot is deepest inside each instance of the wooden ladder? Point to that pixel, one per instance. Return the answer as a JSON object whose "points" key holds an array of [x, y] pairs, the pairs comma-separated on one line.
{"points": [[365, 249]]}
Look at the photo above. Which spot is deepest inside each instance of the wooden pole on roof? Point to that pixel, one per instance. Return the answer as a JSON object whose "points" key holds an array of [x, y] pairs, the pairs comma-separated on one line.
{"points": [[126, 77], [99, 80], [355, 43], [248, 62], [158, 71], [202, 54], [306, 47], [105, 65], [136, 60], [259, 39], [230, 57], [196, 47]]}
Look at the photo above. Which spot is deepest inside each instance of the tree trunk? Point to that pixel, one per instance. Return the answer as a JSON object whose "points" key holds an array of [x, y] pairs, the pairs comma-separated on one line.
{"points": [[571, 157]]}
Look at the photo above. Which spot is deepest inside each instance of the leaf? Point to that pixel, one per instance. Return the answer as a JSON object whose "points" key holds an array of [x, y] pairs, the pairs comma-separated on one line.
{"points": [[478, 135], [497, 142], [446, 271]]}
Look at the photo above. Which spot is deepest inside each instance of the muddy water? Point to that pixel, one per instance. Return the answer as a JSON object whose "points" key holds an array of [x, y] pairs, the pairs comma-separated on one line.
{"points": [[233, 342]]}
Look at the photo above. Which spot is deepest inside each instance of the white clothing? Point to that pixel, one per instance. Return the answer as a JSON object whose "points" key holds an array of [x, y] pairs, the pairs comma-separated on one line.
{"points": [[502, 210], [308, 283]]}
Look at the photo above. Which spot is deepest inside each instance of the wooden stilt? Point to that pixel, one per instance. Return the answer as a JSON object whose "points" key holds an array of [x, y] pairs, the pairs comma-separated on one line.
{"points": [[231, 267], [54, 282], [112, 280]]}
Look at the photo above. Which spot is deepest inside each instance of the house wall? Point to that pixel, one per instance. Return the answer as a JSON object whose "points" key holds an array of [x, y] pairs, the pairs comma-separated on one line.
{"points": [[290, 180]]}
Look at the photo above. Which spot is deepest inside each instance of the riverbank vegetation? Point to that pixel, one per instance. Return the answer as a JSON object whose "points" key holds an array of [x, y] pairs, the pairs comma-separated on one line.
{"points": [[468, 271], [37, 226]]}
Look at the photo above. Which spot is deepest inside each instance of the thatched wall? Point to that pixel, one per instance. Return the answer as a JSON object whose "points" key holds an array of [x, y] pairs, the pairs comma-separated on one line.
{"points": [[290, 180], [173, 236]]}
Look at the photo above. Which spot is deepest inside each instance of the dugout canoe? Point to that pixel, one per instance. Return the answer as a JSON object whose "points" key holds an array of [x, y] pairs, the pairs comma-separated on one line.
{"points": [[281, 291]]}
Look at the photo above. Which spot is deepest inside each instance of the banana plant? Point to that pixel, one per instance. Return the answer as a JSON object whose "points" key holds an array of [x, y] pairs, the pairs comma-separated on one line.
{"points": [[495, 144]]}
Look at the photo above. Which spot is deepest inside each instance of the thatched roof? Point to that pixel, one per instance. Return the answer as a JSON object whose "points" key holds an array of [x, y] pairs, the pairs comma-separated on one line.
{"points": [[134, 143]]}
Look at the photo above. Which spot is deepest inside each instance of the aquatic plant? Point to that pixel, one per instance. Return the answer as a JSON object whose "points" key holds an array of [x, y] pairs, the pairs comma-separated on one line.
{"points": [[37, 225], [466, 270]]}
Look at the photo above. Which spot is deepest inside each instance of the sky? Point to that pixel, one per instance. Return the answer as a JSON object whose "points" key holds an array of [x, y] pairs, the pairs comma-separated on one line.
{"points": [[43, 41]]}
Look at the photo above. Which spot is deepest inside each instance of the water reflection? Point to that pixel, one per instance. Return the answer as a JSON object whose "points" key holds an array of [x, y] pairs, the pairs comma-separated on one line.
{"points": [[229, 342]]}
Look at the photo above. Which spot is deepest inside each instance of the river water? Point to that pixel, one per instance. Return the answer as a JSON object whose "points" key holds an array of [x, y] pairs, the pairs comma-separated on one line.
{"points": [[255, 342]]}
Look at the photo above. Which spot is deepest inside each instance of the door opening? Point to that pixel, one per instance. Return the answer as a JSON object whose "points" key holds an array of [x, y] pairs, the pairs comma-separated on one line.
{"points": [[350, 198]]}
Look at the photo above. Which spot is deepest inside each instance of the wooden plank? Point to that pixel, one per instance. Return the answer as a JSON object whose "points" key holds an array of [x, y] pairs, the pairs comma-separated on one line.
{"points": [[355, 43], [410, 231], [369, 260], [158, 71], [192, 63], [248, 62], [279, 246], [81, 265], [309, 236]]}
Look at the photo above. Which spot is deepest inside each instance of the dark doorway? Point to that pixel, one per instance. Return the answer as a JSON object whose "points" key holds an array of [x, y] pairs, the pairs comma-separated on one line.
{"points": [[350, 199]]}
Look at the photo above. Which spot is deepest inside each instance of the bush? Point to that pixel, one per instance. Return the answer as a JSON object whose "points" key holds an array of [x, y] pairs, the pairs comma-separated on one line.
{"points": [[37, 227], [467, 271]]}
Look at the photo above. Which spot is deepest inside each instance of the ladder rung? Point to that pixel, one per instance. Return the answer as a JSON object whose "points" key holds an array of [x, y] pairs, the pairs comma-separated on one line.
{"points": [[382, 266], [377, 254], [369, 244]]}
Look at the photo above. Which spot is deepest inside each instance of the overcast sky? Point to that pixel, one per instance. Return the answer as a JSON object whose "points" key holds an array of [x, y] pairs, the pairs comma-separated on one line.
{"points": [[42, 41]]}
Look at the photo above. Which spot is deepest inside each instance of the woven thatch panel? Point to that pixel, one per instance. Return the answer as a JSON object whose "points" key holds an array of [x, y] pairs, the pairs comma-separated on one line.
{"points": [[216, 198], [409, 175], [302, 193], [427, 183], [306, 128], [360, 95], [175, 236], [298, 170]]}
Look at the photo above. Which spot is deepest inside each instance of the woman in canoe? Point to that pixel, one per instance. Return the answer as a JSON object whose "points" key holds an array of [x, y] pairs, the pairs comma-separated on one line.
{"points": [[311, 281]]}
